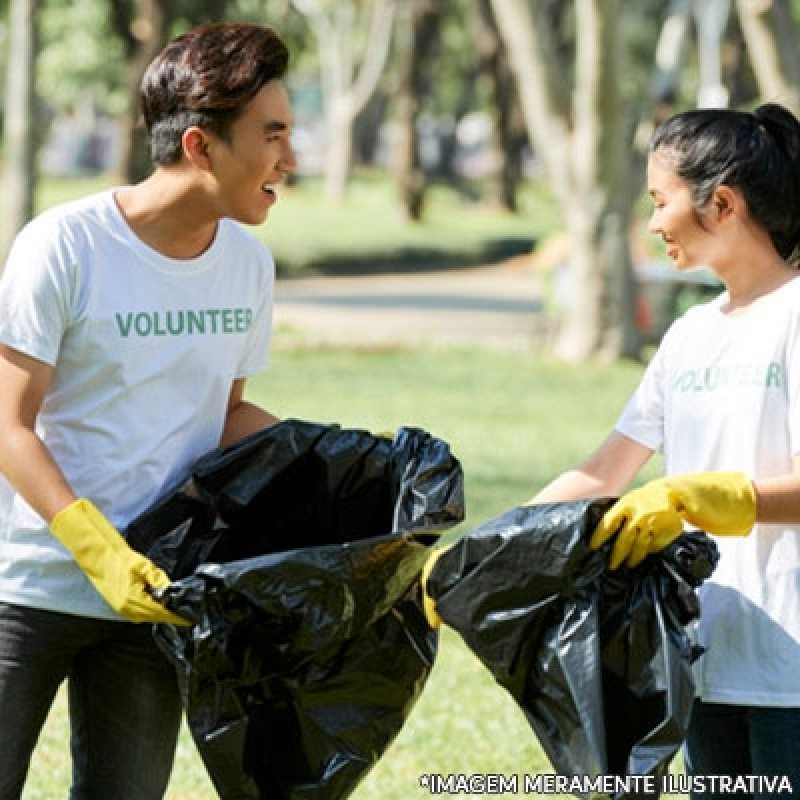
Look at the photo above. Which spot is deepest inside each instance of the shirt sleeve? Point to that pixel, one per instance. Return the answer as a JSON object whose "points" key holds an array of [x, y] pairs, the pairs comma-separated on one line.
{"points": [[36, 290], [642, 419], [255, 357]]}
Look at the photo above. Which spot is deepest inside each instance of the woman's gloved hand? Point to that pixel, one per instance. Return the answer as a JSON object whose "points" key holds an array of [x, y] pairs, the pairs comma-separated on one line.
{"points": [[121, 575], [648, 519]]}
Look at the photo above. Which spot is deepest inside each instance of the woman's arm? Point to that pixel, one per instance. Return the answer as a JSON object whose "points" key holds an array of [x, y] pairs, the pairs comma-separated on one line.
{"points": [[778, 499], [605, 473]]}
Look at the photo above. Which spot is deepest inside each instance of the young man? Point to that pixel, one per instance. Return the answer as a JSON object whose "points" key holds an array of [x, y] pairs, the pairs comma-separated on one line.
{"points": [[129, 322]]}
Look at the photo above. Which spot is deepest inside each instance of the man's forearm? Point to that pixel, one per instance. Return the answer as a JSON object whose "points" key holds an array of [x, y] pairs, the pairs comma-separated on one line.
{"points": [[31, 469]]}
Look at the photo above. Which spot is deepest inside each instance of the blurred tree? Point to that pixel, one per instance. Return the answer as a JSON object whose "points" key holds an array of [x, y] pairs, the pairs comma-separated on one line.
{"points": [[508, 137], [419, 29], [354, 38], [442, 72], [145, 27], [586, 81], [771, 35], [457, 91], [80, 62], [445, 88], [368, 130], [20, 135], [573, 110]]}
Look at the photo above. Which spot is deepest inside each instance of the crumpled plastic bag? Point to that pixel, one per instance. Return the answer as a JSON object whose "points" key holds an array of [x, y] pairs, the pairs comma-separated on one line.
{"points": [[296, 554], [598, 661]]}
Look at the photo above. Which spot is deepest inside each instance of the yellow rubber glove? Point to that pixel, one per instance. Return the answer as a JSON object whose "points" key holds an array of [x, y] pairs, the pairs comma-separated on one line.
{"points": [[648, 519], [428, 603], [121, 575]]}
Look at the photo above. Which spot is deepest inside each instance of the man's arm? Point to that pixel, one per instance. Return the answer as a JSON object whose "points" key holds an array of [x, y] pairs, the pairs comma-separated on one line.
{"points": [[242, 417], [124, 578], [24, 460]]}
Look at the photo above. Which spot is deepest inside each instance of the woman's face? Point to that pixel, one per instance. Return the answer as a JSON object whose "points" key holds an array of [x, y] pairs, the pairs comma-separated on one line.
{"points": [[688, 243]]}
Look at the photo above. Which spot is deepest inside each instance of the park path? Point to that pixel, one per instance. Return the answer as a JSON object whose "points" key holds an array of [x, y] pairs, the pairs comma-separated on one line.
{"points": [[497, 306]]}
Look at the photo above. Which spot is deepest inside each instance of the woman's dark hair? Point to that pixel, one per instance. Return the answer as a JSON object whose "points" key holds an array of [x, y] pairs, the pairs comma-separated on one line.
{"points": [[757, 153], [205, 78]]}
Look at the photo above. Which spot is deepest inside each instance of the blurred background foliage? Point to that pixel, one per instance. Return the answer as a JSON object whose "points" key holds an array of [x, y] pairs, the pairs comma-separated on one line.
{"points": [[457, 108]]}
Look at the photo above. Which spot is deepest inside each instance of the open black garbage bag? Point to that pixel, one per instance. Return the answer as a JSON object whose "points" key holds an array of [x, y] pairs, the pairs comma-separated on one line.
{"points": [[598, 661], [296, 554]]}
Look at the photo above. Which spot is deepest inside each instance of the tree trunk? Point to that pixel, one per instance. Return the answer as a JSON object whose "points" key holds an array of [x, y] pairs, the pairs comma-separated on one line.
{"points": [[145, 33], [21, 138], [771, 37], [339, 156], [506, 143], [448, 143], [582, 146], [348, 82], [593, 323], [368, 128], [422, 36]]}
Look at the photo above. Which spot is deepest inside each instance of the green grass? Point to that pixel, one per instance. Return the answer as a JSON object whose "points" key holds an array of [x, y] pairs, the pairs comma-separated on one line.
{"points": [[367, 233], [514, 421]]}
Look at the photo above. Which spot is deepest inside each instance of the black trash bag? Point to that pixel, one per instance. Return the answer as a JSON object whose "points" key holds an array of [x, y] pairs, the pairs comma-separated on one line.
{"points": [[598, 661], [296, 554]]}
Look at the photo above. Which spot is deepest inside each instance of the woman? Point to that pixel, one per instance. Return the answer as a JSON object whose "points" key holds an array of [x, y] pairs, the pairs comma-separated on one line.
{"points": [[721, 400]]}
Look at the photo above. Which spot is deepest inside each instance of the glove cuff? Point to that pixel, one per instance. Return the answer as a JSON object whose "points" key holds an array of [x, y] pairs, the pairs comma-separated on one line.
{"points": [[731, 495], [428, 603], [80, 524], [748, 499], [82, 509]]}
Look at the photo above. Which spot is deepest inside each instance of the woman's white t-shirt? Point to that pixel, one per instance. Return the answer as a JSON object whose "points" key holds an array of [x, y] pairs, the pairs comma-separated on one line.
{"points": [[144, 349], [723, 393]]}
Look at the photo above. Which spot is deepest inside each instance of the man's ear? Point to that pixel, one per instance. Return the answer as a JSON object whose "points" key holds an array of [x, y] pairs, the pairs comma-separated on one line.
{"points": [[195, 147]]}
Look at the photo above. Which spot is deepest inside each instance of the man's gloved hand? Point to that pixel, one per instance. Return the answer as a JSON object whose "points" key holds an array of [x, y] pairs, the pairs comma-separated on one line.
{"points": [[648, 519], [428, 603], [121, 575]]}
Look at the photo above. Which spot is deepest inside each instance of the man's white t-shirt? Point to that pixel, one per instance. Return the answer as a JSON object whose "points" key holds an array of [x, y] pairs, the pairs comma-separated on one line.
{"points": [[723, 393], [145, 349]]}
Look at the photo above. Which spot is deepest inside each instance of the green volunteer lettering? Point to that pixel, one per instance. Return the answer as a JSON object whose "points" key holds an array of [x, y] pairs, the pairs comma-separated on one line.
{"points": [[124, 324], [743, 375], [143, 323], [184, 322], [197, 322], [714, 378], [157, 328], [175, 322]]}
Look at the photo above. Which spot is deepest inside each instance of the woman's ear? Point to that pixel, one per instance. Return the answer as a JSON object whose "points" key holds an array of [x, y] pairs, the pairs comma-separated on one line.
{"points": [[725, 202]]}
